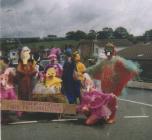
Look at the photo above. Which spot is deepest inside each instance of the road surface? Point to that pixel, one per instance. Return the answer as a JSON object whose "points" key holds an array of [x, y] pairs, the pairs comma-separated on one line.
{"points": [[134, 122]]}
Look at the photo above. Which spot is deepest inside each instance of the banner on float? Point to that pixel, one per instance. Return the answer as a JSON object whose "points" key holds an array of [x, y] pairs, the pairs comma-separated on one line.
{"points": [[36, 106]]}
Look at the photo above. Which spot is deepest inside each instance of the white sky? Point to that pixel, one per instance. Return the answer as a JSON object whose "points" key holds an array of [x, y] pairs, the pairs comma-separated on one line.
{"points": [[43, 17]]}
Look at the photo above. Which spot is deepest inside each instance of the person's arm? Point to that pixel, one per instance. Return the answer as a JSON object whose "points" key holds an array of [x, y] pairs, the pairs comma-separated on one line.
{"points": [[128, 66], [96, 69]]}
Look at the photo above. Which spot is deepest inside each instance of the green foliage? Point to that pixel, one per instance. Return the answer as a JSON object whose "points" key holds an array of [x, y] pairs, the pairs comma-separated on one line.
{"points": [[91, 35], [121, 33], [106, 33], [76, 35]]}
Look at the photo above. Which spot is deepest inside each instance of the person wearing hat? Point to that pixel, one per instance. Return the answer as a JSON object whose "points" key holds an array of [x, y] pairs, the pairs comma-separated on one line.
{"points": [[69, 84], [114, 72], [54, 63]]}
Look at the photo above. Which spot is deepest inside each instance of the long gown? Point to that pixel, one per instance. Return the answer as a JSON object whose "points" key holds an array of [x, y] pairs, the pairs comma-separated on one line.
{"points": [[70, 86], [25, 74]]}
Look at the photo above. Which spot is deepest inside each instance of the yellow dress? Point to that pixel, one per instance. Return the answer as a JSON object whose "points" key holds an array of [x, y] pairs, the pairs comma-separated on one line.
{"points": [[80, 69]]}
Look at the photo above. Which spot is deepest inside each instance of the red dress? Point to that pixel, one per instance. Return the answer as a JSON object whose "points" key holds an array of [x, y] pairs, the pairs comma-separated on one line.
{"points": [[25, 74]]}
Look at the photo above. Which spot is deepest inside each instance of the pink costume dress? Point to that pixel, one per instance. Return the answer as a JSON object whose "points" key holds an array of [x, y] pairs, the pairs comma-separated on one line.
{"points": [[7, 90], [99, 104], [7, 94], [6, 85]]}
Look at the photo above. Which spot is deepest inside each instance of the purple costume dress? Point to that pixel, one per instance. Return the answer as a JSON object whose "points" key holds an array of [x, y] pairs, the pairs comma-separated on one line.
{"points": [[100, 104]]}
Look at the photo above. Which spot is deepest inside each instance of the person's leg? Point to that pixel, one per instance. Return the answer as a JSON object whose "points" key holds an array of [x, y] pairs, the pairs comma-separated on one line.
{"points": [[86, 111], [77, 91], [91, 120], [71, 98], [113, 107]]}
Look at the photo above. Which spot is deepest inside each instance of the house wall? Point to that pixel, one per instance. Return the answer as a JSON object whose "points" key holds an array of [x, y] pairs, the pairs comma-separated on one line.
{"points": [[146, 67], [98, 52], [86, 51]]}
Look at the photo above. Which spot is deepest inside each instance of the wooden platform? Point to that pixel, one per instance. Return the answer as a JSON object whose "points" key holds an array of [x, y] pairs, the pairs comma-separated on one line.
{"points": [[38, 106]]}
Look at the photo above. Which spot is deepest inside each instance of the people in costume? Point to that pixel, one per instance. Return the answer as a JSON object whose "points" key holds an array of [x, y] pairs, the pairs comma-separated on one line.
{"points": [[78, 73], [70, 88], [51, 80], [114, 72], [95, 104], [25, 72], [7, 90], [80, 67], [57, 52], [54, 62], [50, 88]]}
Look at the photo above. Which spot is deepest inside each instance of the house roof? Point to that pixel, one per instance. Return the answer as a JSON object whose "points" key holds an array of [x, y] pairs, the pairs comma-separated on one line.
{"points": [[138, 52], [116, 42]]}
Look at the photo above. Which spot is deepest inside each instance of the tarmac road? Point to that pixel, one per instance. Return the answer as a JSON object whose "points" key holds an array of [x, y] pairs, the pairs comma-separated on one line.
{"points": [[134, 122]]}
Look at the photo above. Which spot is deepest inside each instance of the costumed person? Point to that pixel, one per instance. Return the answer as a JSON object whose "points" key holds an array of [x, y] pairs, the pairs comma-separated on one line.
{"points": [[95, 104], [80, 67], [25, 73], [51, 87], [78, 73], [54, 63], [69, 84], [114, 72], [7, 90]]}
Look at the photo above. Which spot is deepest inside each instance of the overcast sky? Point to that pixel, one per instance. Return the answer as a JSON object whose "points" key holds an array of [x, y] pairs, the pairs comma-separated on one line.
{"points": [[42, 17]]}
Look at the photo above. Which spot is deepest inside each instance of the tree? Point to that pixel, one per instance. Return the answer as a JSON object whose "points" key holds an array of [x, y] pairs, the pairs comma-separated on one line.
{"points": [[70, 35], [76, 35], [80, 35], [91, 35], [121, 33], [106, 33]]}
